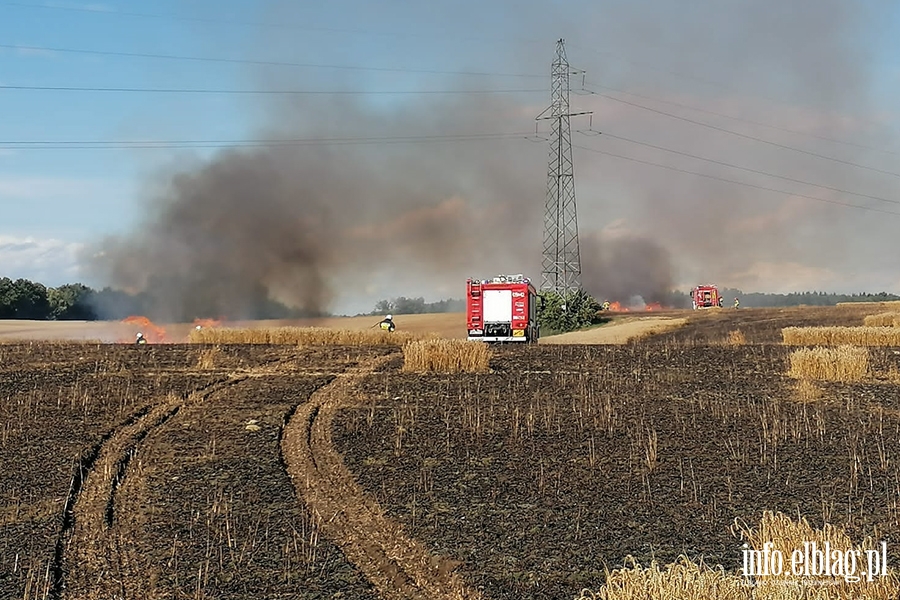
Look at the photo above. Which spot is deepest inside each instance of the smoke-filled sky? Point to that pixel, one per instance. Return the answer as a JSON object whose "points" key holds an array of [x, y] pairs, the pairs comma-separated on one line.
{"points": [[799, 96]]}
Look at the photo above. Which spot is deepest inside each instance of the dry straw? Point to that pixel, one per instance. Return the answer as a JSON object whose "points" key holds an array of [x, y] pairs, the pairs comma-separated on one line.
{"points": [[689, 580], [788, 535], [807, 391], [303, 336], [844, 363], [836, 336], [209, 358], [885, 319], [883, 304], [736, 338], [446, 356]]}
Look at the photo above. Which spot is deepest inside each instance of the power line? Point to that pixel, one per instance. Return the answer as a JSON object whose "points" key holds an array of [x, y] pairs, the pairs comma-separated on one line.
{"points": [[43, 88], [750, 170], [274, 63], [163, 144], [735, 182], [711, 82], [261, 62], [746, 136], [431, 35], [749, 121]]}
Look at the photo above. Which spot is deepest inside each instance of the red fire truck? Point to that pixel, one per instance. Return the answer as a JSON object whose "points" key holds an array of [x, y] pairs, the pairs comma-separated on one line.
{"points": [[502, 309], [705, 296]]}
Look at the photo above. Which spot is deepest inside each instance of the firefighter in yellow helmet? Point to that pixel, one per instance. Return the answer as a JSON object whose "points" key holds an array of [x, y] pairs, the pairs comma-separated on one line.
{"points": [[737, 303]]}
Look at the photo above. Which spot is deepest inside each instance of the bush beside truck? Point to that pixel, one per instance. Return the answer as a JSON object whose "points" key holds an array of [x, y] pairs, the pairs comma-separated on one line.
{"points": [[562, 313]]}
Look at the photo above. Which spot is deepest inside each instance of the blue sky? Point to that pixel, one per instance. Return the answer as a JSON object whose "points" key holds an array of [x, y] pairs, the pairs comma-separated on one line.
{"points": [[52, 199], [87, 192]]}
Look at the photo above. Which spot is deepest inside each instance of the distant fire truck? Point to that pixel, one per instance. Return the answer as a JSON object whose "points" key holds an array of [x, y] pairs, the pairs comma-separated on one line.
{"points": [[502, 309], [705, 296]]}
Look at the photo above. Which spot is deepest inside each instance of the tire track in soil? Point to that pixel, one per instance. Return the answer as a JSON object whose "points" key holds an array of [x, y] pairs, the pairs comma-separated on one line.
{"points": [[399, 567], [92, 559]]}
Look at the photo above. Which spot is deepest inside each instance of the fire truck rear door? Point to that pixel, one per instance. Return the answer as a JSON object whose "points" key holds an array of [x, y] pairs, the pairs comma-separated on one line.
{"points": [[497, 306]]}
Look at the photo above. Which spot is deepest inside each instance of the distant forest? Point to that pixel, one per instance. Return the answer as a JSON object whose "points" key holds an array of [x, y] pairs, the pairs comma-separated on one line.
{"points": [[416, 306], [24, 299], [798, 298]]}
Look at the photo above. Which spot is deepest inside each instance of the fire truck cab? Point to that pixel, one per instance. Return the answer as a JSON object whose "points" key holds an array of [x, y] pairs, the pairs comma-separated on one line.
{"points": [[502, 309], [705, 296]]}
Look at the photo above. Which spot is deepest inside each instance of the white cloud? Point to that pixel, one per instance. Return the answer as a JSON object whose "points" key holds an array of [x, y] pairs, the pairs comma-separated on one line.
{"points": [[46, 260]]}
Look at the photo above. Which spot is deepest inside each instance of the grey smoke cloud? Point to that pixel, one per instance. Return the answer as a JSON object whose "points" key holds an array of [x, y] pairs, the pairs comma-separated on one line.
{"points": [[313, 225], [626, 267], [305, 224]]}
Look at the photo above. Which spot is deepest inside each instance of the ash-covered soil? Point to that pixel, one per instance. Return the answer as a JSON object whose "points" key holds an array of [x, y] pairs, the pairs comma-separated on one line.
{"points": [[759, 325], [201, 492], [567, 460]]}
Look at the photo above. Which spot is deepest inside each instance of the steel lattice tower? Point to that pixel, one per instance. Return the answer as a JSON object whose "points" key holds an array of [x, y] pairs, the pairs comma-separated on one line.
{"points": [[561, 271]]}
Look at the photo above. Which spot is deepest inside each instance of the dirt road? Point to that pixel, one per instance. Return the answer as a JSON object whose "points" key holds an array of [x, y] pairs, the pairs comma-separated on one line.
{"points": [[618, 332]]}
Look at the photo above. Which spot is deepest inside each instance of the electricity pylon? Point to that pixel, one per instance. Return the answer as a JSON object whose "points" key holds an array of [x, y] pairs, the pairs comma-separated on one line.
{"points": [[561, 271]]}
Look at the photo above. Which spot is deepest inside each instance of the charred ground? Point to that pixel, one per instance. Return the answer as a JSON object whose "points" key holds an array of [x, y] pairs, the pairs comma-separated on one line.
{"points": [[202, 501], [539, 478]]}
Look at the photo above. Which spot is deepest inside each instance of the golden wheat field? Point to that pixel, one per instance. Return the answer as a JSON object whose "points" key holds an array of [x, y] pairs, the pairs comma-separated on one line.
{"points": [[680, 458], [831, 336]]}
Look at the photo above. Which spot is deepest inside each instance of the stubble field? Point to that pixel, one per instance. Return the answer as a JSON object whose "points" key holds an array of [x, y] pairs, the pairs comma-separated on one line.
{"points": [[277, 471]]}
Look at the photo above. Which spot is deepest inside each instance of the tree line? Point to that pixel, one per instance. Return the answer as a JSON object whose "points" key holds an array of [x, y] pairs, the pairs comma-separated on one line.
{"points": [[416, 306], [801, 298], [25, 299]]}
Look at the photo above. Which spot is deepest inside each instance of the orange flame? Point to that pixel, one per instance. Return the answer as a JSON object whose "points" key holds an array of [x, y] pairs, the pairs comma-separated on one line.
{"points": [[152, 332], [617, 307]]}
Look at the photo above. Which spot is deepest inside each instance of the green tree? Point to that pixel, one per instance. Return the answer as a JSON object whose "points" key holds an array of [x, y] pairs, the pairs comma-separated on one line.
{"points": [[7, 298], [383, 307], [23, 299], [409, 306], [71, 302], [560, 313]]}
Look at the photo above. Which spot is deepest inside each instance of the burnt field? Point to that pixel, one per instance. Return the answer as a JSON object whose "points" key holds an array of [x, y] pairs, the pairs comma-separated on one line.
{"points": [[759, 325], [566, 461], [156, 472], [272, 471]]}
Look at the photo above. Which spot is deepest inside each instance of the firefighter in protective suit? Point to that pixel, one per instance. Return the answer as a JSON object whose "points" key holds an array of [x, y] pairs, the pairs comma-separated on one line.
{"points": [[140, 339], [387, 324], [737, 303]]}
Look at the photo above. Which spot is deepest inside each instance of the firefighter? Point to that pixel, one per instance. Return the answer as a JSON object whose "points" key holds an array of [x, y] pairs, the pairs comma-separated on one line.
{"points": [[605, 305], [387, 324], [140, 339], [737, 303]]}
